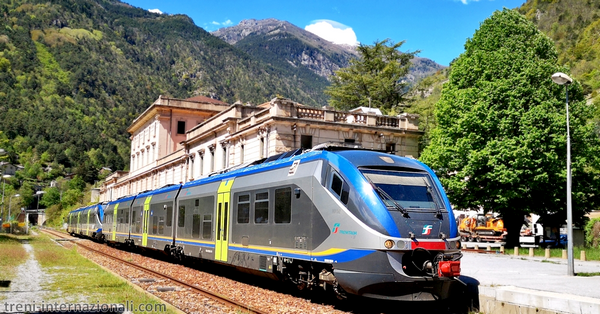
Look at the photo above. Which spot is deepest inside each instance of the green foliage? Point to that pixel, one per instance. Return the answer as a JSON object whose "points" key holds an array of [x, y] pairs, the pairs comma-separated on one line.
{"points": [[75, 73], [71, 197], [423, 97], [76, 183], [592, 232], [51, 197], [500, 140], [374, 79], [27, 193], [575, 28]]}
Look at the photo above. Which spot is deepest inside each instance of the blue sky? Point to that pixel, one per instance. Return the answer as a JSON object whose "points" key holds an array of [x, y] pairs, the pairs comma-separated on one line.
{"points": [[438, 28]]}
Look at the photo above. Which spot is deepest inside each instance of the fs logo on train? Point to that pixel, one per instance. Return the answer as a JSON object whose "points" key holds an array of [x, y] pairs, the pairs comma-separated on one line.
{"points": [[427, 229]]}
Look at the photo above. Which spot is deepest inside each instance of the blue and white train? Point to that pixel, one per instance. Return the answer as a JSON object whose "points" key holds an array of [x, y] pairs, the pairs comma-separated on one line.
{"points": [[352, 221]]}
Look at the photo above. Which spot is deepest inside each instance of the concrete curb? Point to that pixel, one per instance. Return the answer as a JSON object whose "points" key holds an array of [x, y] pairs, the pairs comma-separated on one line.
{"points": [[535, 300]]}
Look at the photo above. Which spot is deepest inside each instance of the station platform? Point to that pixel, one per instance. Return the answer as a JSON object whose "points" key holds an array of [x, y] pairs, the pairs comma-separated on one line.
{"points": [[522, 284]]}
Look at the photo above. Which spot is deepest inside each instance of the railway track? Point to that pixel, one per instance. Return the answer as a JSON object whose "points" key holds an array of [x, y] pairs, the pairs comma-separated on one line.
{"points": [[244, 308]]}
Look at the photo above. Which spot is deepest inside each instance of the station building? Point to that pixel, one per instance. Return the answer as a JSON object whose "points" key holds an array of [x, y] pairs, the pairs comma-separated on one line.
{"points": [[176, 141]]}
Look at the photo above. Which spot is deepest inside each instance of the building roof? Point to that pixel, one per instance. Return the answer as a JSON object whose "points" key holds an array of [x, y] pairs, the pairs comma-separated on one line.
{"points": [[367, 110], [205, 99]]}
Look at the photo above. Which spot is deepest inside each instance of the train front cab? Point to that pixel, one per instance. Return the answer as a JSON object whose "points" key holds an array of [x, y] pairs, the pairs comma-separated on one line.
{"points": [[413, 239]]}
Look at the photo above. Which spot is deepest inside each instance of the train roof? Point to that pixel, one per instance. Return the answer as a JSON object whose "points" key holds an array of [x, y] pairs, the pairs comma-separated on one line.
{"points": [[87, 207], [374, 159], [358, 157]]}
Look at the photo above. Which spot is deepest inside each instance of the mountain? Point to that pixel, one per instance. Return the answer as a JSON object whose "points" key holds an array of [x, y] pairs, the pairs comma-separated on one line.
{"points": [[574, 26], [75, 73], [286, 46]]}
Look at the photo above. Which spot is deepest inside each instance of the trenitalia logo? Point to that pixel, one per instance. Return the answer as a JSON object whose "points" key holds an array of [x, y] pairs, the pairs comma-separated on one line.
{"points": [[336, 229], [427, 229]]}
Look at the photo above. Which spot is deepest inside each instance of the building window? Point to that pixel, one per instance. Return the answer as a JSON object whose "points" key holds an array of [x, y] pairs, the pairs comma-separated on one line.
{"points": [[350, 140], [224, 157], [180, 127], [242, 154], [212, 161], [306, 141], [262, 147], [192, 168], [201, 165], [390, 148]]}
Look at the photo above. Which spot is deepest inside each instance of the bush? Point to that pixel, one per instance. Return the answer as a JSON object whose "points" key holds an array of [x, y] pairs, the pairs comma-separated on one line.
{"points": [[592, 232]]}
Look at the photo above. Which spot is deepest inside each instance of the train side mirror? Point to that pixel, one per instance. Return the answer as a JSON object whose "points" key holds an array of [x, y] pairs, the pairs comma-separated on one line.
{"points": [[297, 192]]}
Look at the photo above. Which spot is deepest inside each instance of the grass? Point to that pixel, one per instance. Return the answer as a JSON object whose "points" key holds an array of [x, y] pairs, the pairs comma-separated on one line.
{"points": [[75, 279], [587, 274], [12, 254], [592, 254]]}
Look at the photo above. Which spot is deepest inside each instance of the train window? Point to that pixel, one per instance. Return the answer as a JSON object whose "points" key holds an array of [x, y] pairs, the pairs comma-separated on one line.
{"points": [[154, 224], [136, 226], [196, 226], [283, 205], [161, 225], [340, 187], [243, 209], [181, 216], [336, 184], [206, 226], [169, 216], [261, 208]]}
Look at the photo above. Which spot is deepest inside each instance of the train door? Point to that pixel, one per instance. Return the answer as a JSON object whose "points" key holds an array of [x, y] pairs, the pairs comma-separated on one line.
{"points": [[87, 229], [146, 221], [79, 222], [223, 200], [114, 223]]}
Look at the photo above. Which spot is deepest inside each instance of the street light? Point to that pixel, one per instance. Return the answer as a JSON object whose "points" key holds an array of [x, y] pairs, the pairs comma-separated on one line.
{"points": [[38, 193], [9, 200], [563, 79], [3, 184]]}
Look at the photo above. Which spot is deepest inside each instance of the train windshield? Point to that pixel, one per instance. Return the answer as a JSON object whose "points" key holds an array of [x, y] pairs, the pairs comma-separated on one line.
{"points": [[406, 190]]}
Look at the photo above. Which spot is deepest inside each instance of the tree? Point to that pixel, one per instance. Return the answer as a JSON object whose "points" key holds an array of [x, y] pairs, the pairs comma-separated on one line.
{"points": [[500, 143], [374, 79]]}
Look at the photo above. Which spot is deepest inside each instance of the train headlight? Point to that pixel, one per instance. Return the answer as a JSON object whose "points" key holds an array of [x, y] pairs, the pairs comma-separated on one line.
{"points": [[388, 244], [458, 244]]}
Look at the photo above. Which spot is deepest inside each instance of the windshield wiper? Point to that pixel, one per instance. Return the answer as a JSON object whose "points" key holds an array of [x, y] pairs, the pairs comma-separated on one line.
{"points": [[437, 206], [389, 198]]}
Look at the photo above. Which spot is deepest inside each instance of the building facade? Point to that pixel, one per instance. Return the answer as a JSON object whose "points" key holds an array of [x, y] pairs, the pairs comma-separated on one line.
{"points": [[175, 141]]}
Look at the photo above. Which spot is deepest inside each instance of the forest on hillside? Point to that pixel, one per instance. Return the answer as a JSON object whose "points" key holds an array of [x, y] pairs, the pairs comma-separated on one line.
{"points": [[75, 73]]}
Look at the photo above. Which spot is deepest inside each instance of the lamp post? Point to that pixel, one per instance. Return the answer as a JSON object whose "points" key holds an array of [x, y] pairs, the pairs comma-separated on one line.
{"points": [[3, 184], [563, 79], [38, 193], [9, 200]]}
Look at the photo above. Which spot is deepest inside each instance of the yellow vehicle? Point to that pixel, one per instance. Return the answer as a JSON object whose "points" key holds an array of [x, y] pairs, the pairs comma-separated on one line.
{"points": [[483, 228]]}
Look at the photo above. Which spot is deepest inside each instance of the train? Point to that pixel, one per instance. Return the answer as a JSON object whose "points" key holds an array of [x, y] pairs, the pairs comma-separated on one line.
{"points": [[351, 221]]}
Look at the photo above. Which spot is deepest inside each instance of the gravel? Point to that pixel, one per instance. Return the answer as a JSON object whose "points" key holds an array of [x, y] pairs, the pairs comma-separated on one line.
{"points": [[191, 302]]}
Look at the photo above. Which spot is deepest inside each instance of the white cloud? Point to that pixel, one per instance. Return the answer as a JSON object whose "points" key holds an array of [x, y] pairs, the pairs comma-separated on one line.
{"points": [[333, 31], [228, 22], [155, 11], [467, 1]]}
